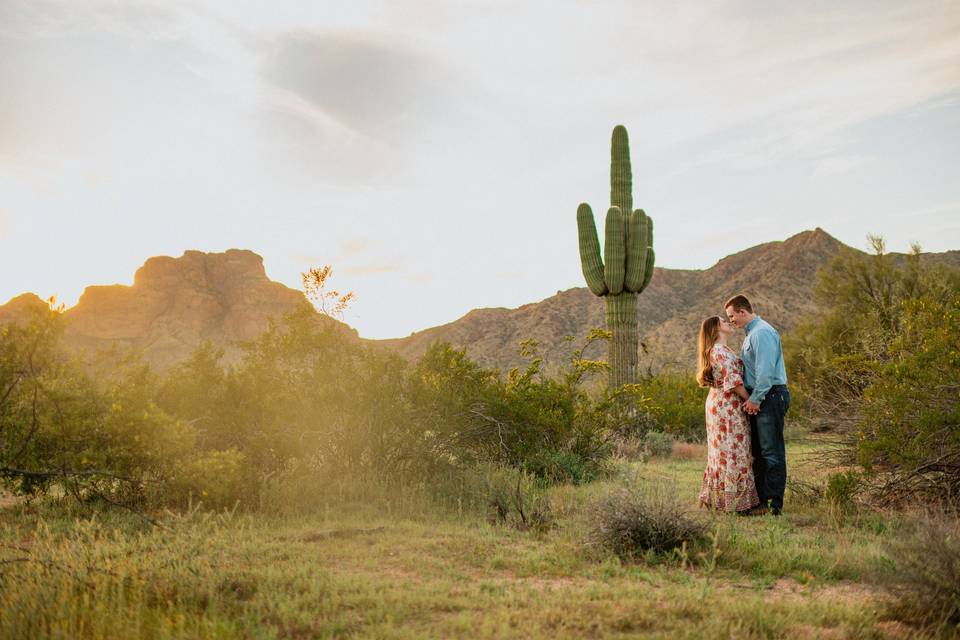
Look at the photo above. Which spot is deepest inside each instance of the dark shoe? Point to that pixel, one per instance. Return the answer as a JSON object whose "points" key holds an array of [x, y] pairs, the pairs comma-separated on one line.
{"points": [[758, 510], [775, 512]]}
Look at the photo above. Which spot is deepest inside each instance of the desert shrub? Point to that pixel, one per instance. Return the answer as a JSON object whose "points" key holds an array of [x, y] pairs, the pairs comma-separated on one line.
{"points": [[215, 479], [564, 466], [911, 411], [877, 365], [93, 436], [514, 498], [306, 402], [305, 392], [546, 425], [658, 444], [629, 411], [842, 488], [926, 579], [676, 403], [634, 520], [628, 447]]}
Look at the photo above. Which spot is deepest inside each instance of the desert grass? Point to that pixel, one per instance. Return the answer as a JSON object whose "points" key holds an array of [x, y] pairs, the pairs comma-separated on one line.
{"points": [[688, 451], [399, 565]]}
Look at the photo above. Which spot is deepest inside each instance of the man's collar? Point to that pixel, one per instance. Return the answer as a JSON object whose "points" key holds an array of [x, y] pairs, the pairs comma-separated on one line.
{"points": [[751, 324]]}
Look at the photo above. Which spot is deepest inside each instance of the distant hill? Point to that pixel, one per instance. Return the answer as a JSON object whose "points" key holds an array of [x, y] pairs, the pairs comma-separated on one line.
{"points": [[177, 303]]}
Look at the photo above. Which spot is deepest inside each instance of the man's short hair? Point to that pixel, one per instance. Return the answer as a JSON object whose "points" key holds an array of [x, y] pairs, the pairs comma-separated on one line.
{"points": [[739, 303]]}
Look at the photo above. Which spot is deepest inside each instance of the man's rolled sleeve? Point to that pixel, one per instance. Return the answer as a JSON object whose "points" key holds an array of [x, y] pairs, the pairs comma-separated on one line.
{"points": [[766, 348]]}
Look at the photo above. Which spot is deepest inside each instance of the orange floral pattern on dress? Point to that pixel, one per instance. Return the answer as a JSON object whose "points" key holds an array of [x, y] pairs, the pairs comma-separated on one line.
{"points": [[728, 483]]}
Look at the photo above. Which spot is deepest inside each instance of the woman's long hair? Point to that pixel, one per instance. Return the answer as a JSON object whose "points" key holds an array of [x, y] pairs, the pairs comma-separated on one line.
{"points": [[709, 332]]}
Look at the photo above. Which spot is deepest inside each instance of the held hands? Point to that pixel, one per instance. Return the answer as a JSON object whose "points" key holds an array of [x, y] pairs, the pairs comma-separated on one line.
{"points": [[745, 403]]}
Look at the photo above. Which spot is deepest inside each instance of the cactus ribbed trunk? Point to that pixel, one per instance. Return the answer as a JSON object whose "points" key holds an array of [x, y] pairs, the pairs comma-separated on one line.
{"points": [[622, 353]]}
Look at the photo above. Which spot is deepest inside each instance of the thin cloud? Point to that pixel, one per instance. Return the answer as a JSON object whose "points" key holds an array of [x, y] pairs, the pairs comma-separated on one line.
{"points": [[837, 165], [352, 108], [794, 83], [374, 85], [942, 210], [355, 245], [395, 266]]}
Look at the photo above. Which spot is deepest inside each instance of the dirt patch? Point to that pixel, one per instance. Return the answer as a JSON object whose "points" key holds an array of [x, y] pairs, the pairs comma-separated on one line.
{"points": [[7, 500], [889, 630], [543, 584], [340, 533], [846, 593], [688, 451]]}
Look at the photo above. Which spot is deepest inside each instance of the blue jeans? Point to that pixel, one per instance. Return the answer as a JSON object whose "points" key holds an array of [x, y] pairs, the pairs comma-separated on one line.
{"points": [[766, 442]]}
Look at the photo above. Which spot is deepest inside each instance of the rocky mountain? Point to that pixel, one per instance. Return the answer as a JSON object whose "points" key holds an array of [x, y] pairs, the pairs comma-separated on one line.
{"points": [[176, 303], [778, 278]]}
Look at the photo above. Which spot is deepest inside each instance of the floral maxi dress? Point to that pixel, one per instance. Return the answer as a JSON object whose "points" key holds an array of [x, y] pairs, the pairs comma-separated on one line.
{"points": [[728, 483]]}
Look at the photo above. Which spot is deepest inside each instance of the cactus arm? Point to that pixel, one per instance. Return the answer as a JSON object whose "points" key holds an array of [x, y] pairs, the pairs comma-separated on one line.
{"points": [[621, 177], [614, 251], [590, 250], [636, 251], [651, 257]]}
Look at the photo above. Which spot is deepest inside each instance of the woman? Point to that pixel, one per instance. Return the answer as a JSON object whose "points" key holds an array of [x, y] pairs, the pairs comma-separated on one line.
{"points": [[728, 480]]}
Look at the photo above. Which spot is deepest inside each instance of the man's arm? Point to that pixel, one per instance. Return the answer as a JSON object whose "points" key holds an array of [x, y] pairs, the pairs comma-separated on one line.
{"points": [[766, 349]]}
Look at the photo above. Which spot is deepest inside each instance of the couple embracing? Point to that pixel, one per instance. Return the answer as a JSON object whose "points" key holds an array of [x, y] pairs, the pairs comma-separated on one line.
{"points": [[746, 459]]}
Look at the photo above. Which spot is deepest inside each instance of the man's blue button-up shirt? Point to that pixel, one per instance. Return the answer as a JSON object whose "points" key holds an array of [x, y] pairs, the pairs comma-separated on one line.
{"points": [[762, 359]]}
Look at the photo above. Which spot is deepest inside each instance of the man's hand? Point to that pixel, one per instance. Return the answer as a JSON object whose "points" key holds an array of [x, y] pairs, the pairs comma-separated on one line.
{"points": [[752, 409]]}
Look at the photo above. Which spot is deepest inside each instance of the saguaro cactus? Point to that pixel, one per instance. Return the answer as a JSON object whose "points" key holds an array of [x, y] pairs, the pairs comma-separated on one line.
{"points": [[627, 264]]}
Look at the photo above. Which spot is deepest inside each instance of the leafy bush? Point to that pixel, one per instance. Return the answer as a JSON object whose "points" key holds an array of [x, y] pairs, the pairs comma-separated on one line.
{"points": [[658, 445], [306, 402], [842, 488], [216, 479], [927, 575], [634, 520], [545, 425], [911, 410], [677, 404], [877, 367], [97, 437]]}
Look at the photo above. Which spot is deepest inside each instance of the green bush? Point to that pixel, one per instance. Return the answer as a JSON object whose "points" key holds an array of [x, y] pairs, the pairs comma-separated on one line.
{"points": [[842, 488], [216, 479], [877, 367], [306, 401], [911, 410], [658, 445], [93, 436], [546, 425], [677, 403]]}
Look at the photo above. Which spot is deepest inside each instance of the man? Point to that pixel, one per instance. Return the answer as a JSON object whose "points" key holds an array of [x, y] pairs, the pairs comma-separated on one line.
{"points": [[765, 378]]}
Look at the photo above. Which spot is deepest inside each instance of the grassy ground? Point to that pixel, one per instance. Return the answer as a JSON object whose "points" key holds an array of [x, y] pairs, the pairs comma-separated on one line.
{"points": [[388, 571]]}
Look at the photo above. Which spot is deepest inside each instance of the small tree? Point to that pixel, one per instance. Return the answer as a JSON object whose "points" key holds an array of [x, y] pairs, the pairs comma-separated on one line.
{"points": [[330, 303]]}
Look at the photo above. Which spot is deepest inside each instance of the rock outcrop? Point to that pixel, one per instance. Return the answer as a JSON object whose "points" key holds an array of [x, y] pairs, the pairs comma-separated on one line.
{"points": [[21, 308], [174, 305]]}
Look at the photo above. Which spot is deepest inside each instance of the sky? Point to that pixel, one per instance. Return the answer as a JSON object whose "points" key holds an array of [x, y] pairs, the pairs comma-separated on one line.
{"points": [[434, 152]]}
